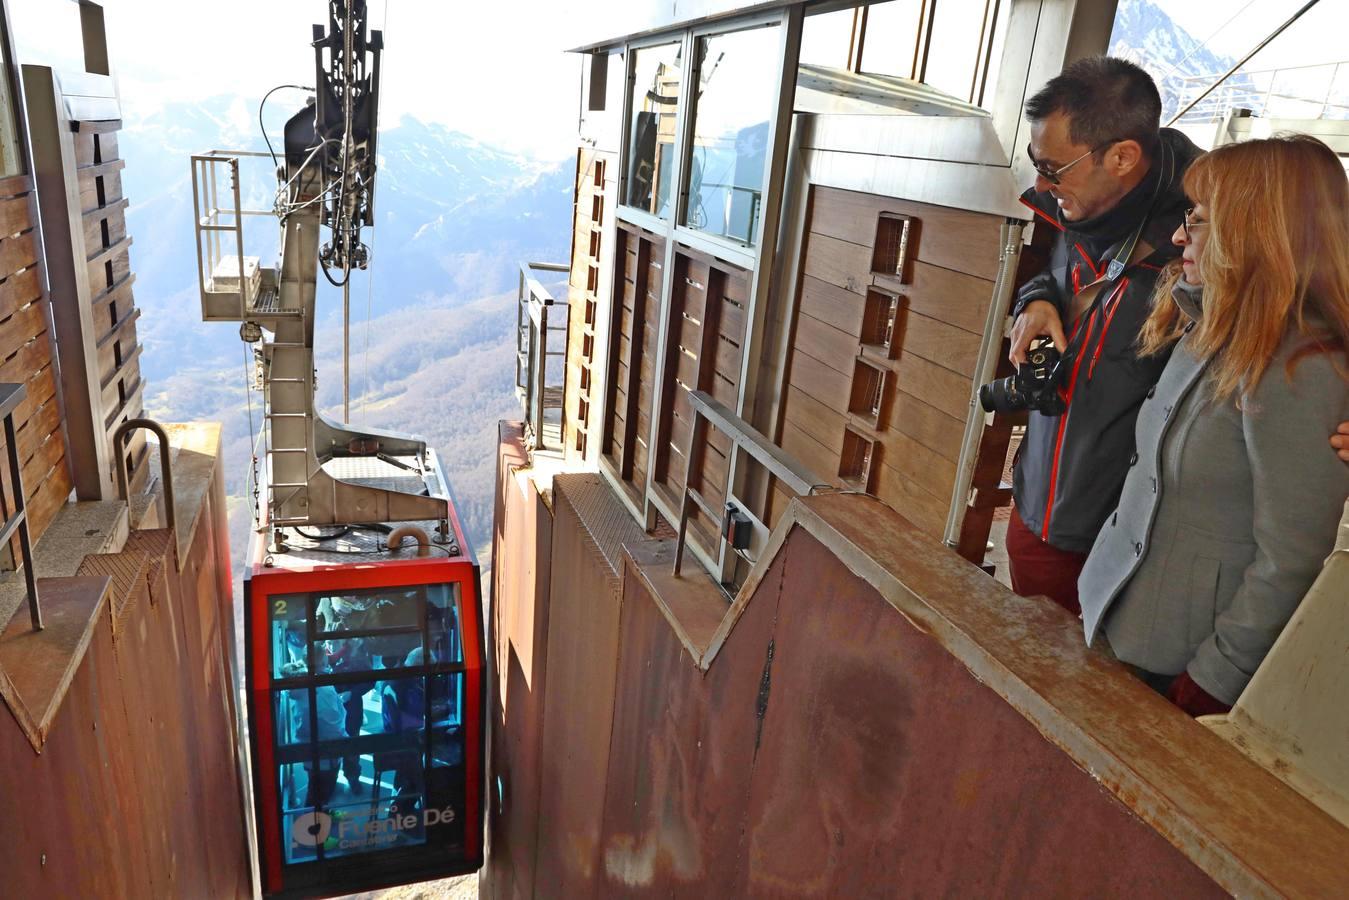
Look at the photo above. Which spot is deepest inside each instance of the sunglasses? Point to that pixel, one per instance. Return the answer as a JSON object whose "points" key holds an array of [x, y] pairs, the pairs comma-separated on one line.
{"points": [[1054, 175], [1191, 222]]}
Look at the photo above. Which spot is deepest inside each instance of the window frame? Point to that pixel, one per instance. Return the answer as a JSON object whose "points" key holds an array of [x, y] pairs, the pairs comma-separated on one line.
{"points": [[757, 258]]}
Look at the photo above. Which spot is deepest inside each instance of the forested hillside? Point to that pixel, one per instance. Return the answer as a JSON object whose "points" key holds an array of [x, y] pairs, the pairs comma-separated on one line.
{"points": [[453, 220]]}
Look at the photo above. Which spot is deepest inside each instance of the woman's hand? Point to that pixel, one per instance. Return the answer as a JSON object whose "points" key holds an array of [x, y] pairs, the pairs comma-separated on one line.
{"points": [[1340, 441]]}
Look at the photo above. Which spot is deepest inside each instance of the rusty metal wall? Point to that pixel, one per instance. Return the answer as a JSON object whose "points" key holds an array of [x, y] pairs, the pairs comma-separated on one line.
{"points": [[855, 758], [832, 747], [519, 626], [137, 792]]}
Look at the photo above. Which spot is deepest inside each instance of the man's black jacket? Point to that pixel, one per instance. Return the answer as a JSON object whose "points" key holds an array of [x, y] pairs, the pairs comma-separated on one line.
{"points": [[1071, 467]]}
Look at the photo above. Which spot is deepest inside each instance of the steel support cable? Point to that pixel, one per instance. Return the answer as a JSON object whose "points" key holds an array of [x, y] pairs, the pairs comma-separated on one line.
{"points": [[1217, 31], [370, 272], [1245, 59]]}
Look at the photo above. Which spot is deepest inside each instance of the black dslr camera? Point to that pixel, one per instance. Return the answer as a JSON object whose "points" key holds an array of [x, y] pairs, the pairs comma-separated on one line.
{"points": [[1034, 386]]}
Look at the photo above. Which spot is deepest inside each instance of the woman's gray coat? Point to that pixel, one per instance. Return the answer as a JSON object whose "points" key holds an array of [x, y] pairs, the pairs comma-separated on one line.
{"points": [[1224, 520]]}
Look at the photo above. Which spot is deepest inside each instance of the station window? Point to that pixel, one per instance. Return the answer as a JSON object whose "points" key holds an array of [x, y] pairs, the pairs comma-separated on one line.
{"points": [[367, 712], [891, 40], [657, 76], [851, 58], [11, 151], [730, 132]]}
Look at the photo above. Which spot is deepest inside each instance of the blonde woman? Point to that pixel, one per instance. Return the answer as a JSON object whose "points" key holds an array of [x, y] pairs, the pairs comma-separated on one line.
{"points": [[1232, 502]]}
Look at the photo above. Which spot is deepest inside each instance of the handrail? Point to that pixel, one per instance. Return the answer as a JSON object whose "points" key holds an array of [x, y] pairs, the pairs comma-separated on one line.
{"points": [[989, 350], [533, 303], [166, 471], [11, 395], [744, 436]]}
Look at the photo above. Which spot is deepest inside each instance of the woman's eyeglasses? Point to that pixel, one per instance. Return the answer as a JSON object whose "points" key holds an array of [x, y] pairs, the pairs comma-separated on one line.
{"points": [[1053, 175], [1191, 222]]}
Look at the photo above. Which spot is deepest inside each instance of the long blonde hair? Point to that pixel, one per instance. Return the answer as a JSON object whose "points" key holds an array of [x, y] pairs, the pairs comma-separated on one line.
{"points": [[1278, 249]]}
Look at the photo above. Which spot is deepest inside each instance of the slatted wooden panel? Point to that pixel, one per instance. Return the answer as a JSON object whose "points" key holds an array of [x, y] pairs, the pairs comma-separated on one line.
{"points": [[595, 185], [638, 271], [26, 358], [107, 253], [704, 351], [903, 404]]}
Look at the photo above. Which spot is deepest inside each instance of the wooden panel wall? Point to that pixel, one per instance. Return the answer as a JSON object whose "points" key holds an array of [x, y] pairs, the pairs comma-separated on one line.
{"points": [[106, 247], [634, 332], [594, 203], [704, 351], [883, 416], [26, 358]]}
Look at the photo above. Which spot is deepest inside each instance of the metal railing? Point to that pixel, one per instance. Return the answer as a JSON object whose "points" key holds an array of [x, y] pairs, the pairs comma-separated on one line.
{"points": [[539, 317], [11, 395], [792, 474], [1264, 91], [229, 282]]}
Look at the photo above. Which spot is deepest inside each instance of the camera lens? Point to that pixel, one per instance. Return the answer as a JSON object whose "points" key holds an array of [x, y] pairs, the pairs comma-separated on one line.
{"points": [[1001, 396]]}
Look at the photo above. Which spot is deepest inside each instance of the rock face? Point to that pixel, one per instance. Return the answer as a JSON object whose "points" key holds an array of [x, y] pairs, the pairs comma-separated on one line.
{"points": [[1146, 35]]}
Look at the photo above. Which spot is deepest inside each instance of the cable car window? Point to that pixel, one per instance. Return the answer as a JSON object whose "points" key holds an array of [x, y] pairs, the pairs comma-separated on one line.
{"points": [[289, 636], [442, 621], [367, 703]]}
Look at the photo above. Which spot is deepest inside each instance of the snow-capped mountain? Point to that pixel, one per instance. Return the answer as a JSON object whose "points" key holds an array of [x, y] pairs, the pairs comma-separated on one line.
{"points": [[454, 217], [1180, 64]]}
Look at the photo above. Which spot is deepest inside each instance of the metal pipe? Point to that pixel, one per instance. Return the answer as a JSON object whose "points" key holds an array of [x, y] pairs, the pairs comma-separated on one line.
{"points": [[166, 472], [395, 539], [989, 349], [1258, 47]]}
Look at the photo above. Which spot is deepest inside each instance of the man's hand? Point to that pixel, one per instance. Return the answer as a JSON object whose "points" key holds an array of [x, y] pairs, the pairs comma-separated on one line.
{"points": [[1040, 317], [1340, 441]]}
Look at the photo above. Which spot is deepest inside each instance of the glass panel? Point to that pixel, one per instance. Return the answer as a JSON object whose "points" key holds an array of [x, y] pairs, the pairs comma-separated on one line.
{"points": [[736, 82], [367, 827], [955, 54], [365, 630], [892, 37], [290, 618], [442, 624], [827, 38], [447, 733], [655, 102], [11, 154]]}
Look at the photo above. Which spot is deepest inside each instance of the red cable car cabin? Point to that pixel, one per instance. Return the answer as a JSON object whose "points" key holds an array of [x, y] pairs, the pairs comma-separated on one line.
{"points": [[365, 704]]}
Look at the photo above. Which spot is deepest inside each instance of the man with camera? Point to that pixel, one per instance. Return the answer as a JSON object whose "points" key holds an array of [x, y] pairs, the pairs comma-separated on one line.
{"points": [[1108, 182]]}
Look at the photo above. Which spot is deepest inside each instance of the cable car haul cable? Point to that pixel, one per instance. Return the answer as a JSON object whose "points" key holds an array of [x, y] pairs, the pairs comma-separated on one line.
{"points": [[364, 658]]}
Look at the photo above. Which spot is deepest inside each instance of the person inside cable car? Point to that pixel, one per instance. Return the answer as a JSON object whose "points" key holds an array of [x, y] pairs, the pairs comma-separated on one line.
{"points": [[1231, 503], [349, 655], [331, 726]]}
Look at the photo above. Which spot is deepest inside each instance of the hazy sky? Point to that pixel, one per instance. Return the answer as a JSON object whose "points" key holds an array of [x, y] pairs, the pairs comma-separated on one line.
{"points": [[1233, 27], [495, 70]]}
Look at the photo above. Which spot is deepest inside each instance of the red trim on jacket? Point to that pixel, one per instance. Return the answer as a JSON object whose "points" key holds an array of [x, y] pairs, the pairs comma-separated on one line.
{"points": [[1113, 305], [1040, 212], [1096, 273], [1063, 425]]}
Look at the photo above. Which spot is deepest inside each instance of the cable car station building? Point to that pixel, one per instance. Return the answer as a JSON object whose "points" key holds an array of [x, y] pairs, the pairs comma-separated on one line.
{"points": [[747, 642], [746, 633]]}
